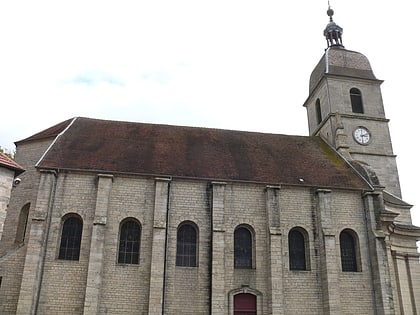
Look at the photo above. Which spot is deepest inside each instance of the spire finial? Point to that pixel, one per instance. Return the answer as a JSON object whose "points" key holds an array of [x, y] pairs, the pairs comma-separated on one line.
{"points": [[333, 32], [330, 12]]}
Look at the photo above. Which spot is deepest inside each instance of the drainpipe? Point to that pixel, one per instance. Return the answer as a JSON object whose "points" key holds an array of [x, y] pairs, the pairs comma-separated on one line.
{"points": [[165, 263]]}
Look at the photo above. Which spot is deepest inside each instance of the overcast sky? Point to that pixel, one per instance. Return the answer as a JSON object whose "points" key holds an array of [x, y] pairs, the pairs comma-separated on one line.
{"points": [[224, 64]]}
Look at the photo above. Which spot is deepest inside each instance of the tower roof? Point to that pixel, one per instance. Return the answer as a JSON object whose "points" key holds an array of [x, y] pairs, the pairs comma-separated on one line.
{"points": [[341, 62]]}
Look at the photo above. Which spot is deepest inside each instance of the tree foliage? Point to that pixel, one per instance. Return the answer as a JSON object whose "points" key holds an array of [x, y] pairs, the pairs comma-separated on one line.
{"points": [[8, 153]]}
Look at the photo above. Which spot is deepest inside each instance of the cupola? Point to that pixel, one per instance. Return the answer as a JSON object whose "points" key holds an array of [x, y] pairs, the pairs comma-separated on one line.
{"points": [[333, 33]]}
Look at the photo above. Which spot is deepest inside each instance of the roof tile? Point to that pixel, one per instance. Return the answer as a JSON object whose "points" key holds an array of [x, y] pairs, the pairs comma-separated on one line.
{"points": [[7, 162], [164, 150]]}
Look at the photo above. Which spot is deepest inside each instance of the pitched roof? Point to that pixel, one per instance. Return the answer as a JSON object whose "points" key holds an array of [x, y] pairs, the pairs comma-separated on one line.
{"points": [[190, 152], [8, 163]]}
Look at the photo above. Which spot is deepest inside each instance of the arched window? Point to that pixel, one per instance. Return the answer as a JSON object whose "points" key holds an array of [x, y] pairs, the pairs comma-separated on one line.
{"points": [[356, 101], [318, 111], [349, 251], [22, 224], [298, 249], [186, 245], [245, 304], [243, 248], [129, 245], [71, 237]]}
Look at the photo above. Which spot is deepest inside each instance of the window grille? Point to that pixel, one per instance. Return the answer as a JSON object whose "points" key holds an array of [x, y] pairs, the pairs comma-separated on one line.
{"points": [[186, 246], [129, 246], [297, 254], [243, 248], [348, 252], [71, 237]]}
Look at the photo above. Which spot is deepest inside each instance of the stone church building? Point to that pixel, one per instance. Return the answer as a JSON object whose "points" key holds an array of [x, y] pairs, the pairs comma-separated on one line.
{"points": [[118, 217]]}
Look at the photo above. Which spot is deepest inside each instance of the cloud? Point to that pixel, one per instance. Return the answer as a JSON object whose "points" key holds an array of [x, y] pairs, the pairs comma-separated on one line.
{"points": [[161, 77], [95, 77]]}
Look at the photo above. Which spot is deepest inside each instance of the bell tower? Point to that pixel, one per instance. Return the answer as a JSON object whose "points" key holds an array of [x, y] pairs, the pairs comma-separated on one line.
{"points": [[345, 108]]}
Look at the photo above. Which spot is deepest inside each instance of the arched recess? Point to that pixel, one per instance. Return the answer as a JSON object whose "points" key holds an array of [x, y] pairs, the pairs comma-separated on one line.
{"points": [[71, 237], [129, 241], [187, 245], [299, 258], [21, 231], [318, 111], [350, 251], [244, 247], [356, 101]]}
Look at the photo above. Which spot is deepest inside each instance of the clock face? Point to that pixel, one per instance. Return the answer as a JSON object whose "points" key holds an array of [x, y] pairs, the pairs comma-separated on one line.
{"points": [[362, 135]]}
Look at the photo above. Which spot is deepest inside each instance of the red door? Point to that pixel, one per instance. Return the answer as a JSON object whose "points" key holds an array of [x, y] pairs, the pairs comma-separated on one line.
{"points": [[245, 304]]}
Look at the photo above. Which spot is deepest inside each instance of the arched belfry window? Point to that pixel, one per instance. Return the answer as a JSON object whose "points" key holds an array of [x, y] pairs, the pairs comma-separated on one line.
{"points": [[71, 238], [349, 250], [186, 245], [318, 111], [22, 224], [356, 101], [243, 248], [129, 244], [298, 249]]}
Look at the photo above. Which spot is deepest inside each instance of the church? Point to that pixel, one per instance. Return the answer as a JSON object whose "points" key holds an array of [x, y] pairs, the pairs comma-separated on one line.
{"points": [[113, 217]]}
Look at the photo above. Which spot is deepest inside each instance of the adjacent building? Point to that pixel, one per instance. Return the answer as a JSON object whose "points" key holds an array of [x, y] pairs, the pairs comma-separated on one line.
{"points": [[9, 170]]}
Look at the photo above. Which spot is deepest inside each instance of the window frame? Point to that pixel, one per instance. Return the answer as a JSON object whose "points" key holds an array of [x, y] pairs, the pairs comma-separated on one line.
{"points": [[352, 263], [66, 252], [22, 226], [124, 255], [356, 101], [245, 255], [318, 111], [187, 248], [304, 263]]}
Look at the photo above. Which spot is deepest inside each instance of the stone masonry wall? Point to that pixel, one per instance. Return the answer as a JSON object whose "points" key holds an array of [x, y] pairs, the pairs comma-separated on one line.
{"points": [[125, 289], [63, 283], [12, 254], [188, 202]]}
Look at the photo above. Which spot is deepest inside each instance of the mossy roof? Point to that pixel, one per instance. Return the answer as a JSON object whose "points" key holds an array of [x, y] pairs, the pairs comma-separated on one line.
{"points": [[190, 152]]}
